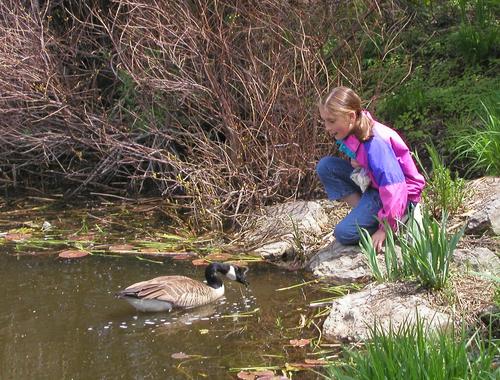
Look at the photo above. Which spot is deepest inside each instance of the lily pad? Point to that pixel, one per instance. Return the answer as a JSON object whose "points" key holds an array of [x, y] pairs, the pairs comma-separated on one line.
{"points": [[72, 254]]}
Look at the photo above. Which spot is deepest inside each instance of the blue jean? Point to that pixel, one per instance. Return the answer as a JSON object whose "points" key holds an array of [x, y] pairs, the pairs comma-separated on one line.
{"points": [[335, 173]]}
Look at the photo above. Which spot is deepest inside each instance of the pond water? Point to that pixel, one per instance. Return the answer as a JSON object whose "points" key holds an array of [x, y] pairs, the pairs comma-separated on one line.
{"points": [[60, 320]]}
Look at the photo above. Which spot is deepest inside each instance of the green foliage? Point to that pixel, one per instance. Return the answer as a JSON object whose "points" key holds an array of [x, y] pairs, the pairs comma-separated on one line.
{"points": [[480, 146], [442, 192], [426, 250], [393, 269], [435, 98], [411, 353], [453, 50], [478, 35], [139, 112], [496, 296], [366, 245]]}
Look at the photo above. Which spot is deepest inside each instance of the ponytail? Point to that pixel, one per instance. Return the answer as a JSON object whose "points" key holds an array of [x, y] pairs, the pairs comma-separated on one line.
{"points": [[344, 100]]}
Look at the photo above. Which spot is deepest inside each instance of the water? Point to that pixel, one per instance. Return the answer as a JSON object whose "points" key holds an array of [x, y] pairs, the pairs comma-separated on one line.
{"points": [[59, 320]]}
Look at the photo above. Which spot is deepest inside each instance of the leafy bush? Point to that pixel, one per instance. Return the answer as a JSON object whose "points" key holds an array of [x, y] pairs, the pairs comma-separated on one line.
{"points": [[410, 353], [480, 146], [442, 192]]}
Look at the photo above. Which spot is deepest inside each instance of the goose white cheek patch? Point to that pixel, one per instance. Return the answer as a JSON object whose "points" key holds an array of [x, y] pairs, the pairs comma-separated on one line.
{"points": [[231, 274]]}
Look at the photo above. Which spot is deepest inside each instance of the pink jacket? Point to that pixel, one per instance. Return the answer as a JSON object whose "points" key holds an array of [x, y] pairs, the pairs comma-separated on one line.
{"points": [[391, 168]]}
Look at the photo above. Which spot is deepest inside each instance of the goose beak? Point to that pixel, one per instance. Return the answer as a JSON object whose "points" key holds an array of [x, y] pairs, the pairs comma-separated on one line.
{"points": [[241, 275]]}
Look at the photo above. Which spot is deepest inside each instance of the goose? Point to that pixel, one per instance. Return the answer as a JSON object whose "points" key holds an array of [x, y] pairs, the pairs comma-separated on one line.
{"points": [[167, 292]]}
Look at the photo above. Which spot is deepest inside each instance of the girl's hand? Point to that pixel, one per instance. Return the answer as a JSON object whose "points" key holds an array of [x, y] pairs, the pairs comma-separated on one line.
{"points": [[355, 164], [378, 239]]}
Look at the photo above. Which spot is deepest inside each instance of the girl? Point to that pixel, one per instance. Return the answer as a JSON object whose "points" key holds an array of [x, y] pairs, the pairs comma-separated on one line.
{"points": [[378, 156]]}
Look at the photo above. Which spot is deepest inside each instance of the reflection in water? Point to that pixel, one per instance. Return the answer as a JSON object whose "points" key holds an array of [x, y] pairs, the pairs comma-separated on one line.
{"points": [[60, 320]]}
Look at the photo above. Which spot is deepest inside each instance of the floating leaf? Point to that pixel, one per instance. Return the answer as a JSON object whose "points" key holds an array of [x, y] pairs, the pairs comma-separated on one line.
{"points": [[182, 257], [218, 256], [199, 262], [253, 375], [300, 342], [121, 248], [149, 250], [16, 236], [203, 331], [180, 356], [305, 365], [72, 254], [316, 362]]}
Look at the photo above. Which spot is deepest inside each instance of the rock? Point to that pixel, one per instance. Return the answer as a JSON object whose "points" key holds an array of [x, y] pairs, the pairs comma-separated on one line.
{"points": [[390, 305], [486, 217], [286, 228], [278, 249], [340, 264], [478, 259], [308, 217]]}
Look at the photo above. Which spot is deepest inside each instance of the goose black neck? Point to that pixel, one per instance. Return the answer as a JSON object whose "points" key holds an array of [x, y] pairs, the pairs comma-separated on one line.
{"points": [[211, 274]]}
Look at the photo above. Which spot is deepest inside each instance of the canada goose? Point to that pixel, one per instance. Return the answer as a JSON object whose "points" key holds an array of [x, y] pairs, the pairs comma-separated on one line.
{"points": [[168, 292]]}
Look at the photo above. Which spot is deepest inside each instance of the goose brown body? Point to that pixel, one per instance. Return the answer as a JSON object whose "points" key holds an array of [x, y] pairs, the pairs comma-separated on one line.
{"points": [[179, 291], [167, 292]]}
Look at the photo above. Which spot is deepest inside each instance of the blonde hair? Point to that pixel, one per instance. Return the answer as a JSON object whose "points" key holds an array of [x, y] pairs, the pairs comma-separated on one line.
{"points": [[343, 100]]}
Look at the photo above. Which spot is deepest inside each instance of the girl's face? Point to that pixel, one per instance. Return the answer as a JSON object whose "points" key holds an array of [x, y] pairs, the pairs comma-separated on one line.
{"points": [[338, 125]]}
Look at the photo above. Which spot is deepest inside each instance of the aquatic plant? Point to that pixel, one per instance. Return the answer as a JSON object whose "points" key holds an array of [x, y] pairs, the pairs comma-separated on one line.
{"points": [[426, 251], [394, 269], [413, 353]]}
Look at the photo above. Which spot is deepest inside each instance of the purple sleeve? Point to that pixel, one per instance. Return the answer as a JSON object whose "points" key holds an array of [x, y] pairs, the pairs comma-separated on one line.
{"points": [[387, 172]]}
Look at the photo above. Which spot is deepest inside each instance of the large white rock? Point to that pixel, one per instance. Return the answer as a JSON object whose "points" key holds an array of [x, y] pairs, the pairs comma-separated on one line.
{"points": [[478, 259], [340, 264], [284, 229], [485, 215], [390, 305]]}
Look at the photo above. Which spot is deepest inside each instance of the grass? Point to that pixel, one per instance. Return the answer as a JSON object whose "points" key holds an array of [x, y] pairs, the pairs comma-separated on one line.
{"points": [[426, 251], [411, 353], [393, 269], [480, 146], [442, 192]]}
